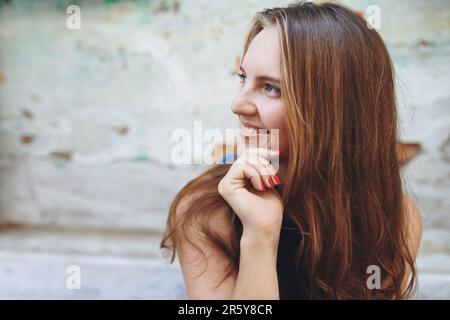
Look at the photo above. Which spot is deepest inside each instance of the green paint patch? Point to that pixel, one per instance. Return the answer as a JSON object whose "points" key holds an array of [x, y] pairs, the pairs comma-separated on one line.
{"points": [[59, 163], [4, 2], [141, 158], [62, 5], [143, 6], [111, 1]]}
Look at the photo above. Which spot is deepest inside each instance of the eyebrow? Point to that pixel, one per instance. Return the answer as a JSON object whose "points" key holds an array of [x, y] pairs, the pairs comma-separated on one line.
{"points": [[263, 77]]}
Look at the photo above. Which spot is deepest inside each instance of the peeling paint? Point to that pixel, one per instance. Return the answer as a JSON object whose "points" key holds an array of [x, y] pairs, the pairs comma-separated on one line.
{"points": [[62, 154], [27, 138]]}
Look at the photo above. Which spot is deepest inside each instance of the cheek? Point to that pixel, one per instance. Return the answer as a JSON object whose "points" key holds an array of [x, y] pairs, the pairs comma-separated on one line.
{"points": [[273, 118]]}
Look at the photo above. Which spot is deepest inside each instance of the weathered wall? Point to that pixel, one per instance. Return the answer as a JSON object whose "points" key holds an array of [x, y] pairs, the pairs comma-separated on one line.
{"points": [[86, 115]]}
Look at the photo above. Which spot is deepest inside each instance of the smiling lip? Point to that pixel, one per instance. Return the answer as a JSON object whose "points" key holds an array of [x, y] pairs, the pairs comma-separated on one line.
{"points": [[250, 130]]}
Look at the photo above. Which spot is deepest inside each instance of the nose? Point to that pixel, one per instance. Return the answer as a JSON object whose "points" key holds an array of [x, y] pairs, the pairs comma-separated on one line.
{"points": [[244, 105]]}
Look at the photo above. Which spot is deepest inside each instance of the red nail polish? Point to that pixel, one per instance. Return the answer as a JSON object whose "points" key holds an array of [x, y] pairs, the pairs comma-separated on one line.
{"points": [[271, 181], [275, 180], [278, 179]]}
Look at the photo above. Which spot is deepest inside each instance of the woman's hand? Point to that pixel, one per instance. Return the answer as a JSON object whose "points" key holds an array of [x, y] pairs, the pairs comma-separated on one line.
{"points": [[248, 187]]}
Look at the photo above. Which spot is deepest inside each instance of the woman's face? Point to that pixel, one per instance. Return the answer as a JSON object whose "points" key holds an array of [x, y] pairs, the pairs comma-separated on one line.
{"points": [[259, 104]]}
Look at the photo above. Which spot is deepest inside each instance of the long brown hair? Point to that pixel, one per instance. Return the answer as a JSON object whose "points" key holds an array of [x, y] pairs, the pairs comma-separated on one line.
{"points": [[343, 183]]}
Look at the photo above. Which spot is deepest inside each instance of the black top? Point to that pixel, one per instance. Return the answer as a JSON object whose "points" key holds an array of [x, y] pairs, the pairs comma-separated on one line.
{"points": [[291, 284]]}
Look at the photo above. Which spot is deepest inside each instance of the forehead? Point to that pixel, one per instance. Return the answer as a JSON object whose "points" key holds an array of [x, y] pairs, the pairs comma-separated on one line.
{"points": [[263, 54]]}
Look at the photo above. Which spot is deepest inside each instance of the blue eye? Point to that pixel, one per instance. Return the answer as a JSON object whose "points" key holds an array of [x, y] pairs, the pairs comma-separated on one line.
{"points": [[272, 89]]}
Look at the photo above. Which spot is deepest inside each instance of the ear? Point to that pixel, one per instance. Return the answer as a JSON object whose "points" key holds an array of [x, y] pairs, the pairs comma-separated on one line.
{"points": [[407, 151]]}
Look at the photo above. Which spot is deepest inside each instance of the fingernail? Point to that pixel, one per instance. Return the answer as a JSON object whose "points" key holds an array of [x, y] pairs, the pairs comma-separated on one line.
{"points": [[272, 184], [275, 180], [278, 179]]}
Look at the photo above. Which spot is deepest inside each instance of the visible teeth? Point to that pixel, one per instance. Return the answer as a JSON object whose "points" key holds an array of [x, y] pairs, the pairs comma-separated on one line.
{"points": [[249, 130]]}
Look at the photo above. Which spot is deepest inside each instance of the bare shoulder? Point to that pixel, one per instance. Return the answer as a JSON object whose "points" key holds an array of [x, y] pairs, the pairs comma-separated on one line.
{"points": [[204, 271], [414, 225]]}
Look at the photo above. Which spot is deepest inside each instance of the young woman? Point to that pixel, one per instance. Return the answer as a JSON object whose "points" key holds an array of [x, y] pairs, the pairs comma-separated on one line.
{"points": [[335, 214]]}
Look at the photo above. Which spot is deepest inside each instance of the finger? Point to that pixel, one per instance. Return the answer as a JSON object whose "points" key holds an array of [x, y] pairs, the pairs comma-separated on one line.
{"points": [[258, 155], [263, 152], [272, 156], [267, 172], [266, 165], [265, 178], [251, 173], [246, 171], [266, 168]]}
